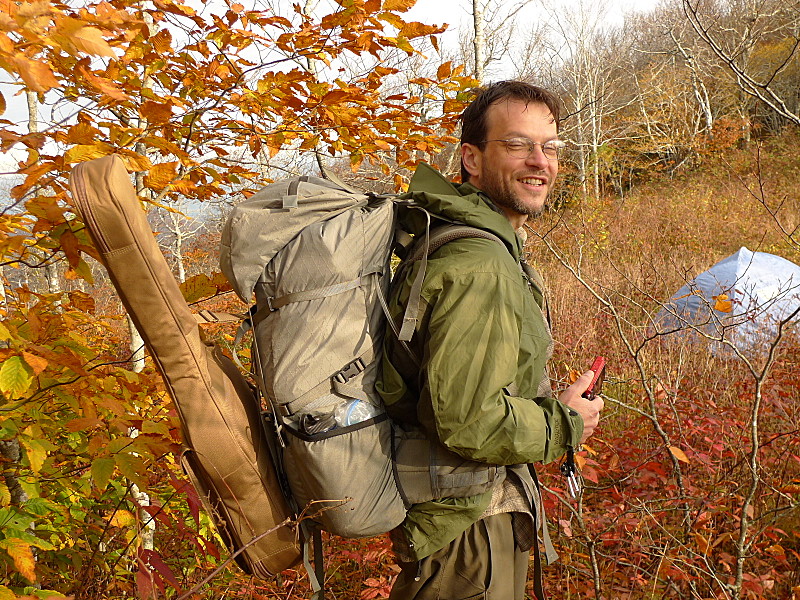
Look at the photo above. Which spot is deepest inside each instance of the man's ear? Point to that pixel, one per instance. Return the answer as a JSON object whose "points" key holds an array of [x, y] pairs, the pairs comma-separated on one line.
{"points": [[471, 158]]}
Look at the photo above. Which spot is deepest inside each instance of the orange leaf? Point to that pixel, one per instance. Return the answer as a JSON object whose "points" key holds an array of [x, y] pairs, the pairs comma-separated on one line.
{"points": [[722, 303], [104, 85], [22, 554], [69, 243], [37, 76], [679, 454], [2, 103], [36, 363], [84, 152], [90, 40], [444, 70], [162, 174], [156, 112]]}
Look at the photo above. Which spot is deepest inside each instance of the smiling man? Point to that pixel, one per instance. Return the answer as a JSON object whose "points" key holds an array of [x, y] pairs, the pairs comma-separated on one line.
{"points": [[473, 379]]}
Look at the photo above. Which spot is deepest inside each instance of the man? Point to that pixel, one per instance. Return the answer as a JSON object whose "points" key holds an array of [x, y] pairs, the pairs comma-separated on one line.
{"points": [[473, 377]]}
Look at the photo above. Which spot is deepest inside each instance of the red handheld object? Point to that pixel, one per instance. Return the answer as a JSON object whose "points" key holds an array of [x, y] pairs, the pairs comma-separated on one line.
{"points": [[599, 368]]}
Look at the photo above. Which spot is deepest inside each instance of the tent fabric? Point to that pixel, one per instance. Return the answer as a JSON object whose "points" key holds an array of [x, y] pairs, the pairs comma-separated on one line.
{"points": [[740, 299]]}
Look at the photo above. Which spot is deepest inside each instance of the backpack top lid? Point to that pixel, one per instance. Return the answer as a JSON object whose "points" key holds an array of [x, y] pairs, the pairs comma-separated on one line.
{"points": [[261, 225]]}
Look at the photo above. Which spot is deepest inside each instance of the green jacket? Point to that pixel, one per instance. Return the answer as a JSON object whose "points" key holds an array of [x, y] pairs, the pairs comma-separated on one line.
{"points": [[482, 389]]}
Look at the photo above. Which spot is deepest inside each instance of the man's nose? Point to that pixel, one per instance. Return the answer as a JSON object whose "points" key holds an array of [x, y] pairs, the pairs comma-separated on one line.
{"points": [[537, 158]]}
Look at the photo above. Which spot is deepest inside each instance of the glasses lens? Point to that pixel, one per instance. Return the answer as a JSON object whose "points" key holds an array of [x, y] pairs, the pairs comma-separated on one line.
{"points": [[518, 148], [550, 150]]}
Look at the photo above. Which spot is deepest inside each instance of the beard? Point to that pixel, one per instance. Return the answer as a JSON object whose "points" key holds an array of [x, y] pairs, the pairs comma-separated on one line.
{"points": [[503, 196]]}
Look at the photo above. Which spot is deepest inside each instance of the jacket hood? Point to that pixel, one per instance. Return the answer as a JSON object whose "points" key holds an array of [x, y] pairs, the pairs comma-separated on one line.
{"points": [[463, 203]]}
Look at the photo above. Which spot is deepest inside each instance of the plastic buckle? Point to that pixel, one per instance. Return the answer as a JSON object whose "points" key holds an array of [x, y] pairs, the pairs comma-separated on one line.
{"points": [[269, 304], [350, 371]]}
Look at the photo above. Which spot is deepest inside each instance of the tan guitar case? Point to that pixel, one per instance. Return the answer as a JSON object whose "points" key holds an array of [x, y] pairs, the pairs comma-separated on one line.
{"points": [[227, 453]]}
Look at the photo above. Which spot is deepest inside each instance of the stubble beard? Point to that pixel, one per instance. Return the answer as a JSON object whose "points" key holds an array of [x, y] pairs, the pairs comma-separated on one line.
{"points": [[499, 192]]}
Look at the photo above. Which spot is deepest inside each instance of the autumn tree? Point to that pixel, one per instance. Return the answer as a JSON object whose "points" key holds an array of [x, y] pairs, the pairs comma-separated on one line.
{"points": [[194, 103]]}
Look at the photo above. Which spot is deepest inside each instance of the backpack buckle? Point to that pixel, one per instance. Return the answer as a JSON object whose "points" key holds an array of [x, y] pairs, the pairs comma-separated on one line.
{"points": [[269, 304], [350, 371]]}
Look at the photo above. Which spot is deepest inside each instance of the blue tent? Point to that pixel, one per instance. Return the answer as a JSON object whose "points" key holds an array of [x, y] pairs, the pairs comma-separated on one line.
{"points": [[741, 299]]}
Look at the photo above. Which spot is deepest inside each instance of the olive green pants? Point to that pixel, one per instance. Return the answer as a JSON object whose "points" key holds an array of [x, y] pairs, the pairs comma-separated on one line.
{"points": [[483, 563]]}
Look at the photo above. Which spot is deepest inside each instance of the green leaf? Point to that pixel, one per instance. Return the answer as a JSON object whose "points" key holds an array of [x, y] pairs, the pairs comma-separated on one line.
{"points": [[15, 376], [102, 470], [131, 467]]}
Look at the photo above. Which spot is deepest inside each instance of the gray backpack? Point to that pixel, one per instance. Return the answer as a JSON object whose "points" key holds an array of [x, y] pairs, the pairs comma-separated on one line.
{"points": [[316, 254]]}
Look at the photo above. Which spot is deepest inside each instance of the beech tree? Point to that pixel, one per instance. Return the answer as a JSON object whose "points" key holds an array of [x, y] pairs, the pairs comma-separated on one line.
{"points": [[194, 102]]}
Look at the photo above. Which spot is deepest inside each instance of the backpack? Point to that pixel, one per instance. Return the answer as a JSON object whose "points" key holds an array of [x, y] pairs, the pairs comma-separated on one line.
{"points": [[227, 453], [316, 255]]}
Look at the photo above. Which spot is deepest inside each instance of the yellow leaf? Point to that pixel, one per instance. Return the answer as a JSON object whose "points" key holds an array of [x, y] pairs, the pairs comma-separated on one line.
{"points": [[37, 363], [22, 554], [6, 594], [122, 518], [398, 5], [15, 377], [679, 454], [134, 161], [161, 175], [84, 152], [90, 40], [722, 303], [198, 287], [36, 453], [5, 496], [702, 543]]}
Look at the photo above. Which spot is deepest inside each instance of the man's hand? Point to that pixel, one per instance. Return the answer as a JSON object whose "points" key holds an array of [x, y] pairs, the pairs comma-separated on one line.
{"points": [[589, 410]]}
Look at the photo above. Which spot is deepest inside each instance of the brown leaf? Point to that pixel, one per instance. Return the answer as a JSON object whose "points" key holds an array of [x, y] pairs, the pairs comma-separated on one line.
{"points": [[69, 243], [133, 161], [198, 287], [156, 112]]}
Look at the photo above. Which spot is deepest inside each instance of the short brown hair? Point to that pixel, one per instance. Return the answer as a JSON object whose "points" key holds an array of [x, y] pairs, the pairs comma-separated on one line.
{"points": [[473, 119]]}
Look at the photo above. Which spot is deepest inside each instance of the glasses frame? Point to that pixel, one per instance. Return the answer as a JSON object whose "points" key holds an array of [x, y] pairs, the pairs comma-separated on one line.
{"points": [[549, 147]]}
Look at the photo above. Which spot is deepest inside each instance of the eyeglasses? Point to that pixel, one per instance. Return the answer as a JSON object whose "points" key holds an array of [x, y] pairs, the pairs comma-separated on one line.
{"points": [[523, 147]]}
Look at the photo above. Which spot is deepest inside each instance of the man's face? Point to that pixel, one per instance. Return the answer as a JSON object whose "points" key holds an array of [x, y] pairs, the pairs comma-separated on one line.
{"points": [[518, 186]]}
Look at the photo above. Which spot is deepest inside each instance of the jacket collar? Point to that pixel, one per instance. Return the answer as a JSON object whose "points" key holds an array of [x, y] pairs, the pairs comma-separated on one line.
{"points": [[464, 203]]}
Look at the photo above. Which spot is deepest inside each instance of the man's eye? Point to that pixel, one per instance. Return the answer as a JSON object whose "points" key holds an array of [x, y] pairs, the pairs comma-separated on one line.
{"points": [[517, 145]]}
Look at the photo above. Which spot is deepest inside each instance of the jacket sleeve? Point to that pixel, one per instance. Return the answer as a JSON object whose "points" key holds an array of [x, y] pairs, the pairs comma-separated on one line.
{"points": [[472, 356]]}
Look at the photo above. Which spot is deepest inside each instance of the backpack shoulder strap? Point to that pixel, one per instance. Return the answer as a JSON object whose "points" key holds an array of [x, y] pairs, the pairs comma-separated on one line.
{"points": [[432, 242]]}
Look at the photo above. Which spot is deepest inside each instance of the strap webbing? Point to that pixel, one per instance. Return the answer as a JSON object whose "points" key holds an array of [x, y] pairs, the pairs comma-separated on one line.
{"points": [[431, 244], [210, 316], [316, 574]]}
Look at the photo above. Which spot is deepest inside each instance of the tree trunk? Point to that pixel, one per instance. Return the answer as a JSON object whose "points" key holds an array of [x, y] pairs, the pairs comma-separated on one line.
{"points": [[479, 41]]}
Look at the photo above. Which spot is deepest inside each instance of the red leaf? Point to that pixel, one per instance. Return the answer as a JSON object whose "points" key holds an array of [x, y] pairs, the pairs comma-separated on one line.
{"points": [[154, 560]]}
